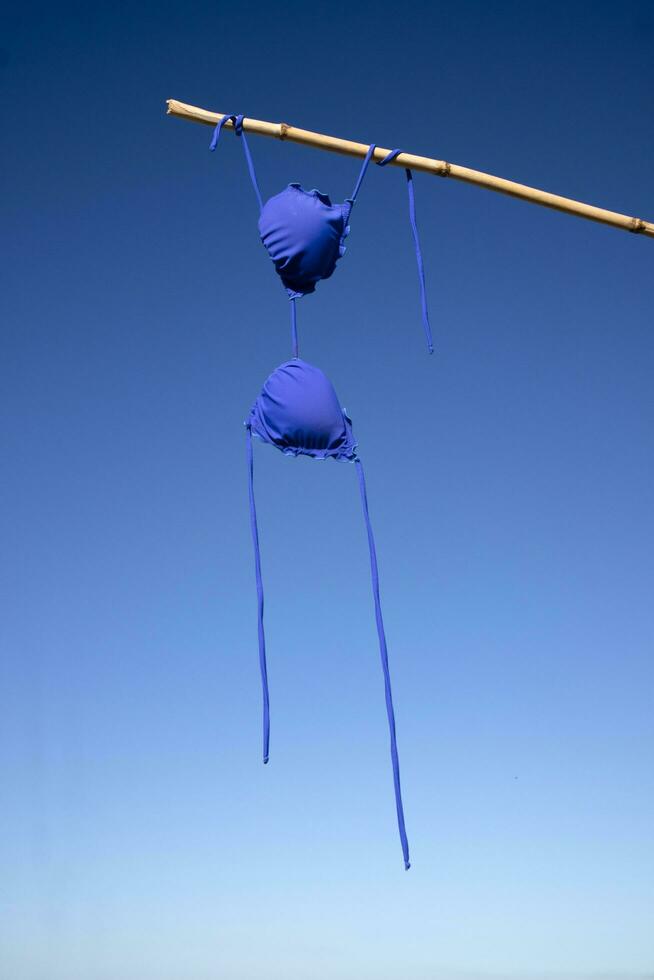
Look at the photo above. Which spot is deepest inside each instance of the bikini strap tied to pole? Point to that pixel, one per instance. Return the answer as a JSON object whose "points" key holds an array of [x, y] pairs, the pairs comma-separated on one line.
{"points": [[416, 240], [362, 174], [240, 133]]}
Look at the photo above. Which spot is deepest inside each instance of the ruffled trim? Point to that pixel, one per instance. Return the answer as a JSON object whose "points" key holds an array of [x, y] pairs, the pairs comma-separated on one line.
{"points": [[346, 210], [342, 454], [314, 192]]}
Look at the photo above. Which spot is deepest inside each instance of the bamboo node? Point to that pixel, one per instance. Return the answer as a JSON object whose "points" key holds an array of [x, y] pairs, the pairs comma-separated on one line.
{"points": [[445, 170], [283, 130], [637, 225]]}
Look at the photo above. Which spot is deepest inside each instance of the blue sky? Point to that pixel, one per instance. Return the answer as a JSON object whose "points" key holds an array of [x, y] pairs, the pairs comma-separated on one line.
{"points": [[509, 477]]}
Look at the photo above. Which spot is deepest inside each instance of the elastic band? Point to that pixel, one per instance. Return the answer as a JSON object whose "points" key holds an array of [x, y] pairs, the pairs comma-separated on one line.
{"points": [[416, 240], [238, 129], [257, 568], [362, 173], [384, 660], [294, 328]]}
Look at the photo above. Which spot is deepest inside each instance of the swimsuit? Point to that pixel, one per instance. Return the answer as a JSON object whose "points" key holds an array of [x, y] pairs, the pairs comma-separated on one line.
{"points": [[298, 410]]}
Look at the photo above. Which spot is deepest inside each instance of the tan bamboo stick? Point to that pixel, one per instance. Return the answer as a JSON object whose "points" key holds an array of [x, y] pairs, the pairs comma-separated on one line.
{"points": [[441, 168]]}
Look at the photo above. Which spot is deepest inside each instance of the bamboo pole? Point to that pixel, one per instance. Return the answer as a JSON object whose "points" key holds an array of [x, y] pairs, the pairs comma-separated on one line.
{"points": [[441, 168]]}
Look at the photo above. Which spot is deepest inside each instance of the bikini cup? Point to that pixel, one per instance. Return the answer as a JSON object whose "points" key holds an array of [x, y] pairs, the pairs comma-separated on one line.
{"points": [[299, 413], [304, 233]]}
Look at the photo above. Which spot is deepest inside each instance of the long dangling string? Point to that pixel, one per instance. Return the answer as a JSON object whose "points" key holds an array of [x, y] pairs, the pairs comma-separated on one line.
{"points": [[416, 241], [294, 329], [238, 129], [384, 660], [257, 568], [362, 173], [421, 268]]}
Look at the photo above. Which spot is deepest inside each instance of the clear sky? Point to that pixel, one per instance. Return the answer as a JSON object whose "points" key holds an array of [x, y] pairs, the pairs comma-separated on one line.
{"points": [[510, 483]]}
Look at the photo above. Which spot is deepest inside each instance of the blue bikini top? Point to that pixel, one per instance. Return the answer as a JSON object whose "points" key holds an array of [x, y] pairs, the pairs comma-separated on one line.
{"points": [[304, 233], [298, 411]]}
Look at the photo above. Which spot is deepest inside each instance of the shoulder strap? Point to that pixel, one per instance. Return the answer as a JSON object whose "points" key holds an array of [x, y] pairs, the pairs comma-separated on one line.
{"points": [[257, 569], [384, 660], [362, 173], [416, 241], [238, 129]]}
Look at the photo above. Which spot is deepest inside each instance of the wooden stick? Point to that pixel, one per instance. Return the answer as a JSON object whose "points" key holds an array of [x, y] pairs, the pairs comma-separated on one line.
{"points": [[441, 168]]}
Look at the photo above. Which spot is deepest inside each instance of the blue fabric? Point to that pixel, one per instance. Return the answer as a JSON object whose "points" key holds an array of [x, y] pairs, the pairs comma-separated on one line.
{"points": [[298, 412], [304, 233], [416, 242]]}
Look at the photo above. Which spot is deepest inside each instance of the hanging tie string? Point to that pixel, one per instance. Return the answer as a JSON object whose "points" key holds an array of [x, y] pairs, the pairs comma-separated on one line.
{"points": [[257, 568], [238, 129], [384, 660], [416, 240]]}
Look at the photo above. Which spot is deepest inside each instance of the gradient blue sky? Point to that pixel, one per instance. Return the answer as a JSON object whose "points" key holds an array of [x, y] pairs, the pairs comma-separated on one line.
{"points": [[510, 481]]}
